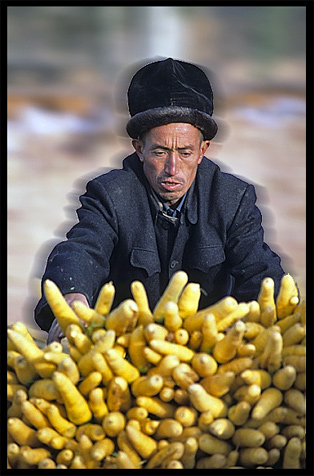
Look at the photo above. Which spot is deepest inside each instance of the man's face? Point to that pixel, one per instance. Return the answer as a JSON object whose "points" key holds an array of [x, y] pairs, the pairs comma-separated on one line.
{"points": [[170, 156]]}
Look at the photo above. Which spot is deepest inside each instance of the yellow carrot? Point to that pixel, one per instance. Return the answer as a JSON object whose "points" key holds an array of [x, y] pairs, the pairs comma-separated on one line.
{"points": [[33, 456], [254, 313], [91, 318], [69, 368], [118, 395], [86, 364], [236, 365], [271, 357], [287, 298], [15, 410], [248, 393], [44, 388], [32, 353], [181, 336], [300, 381], [266, 294], [223, 428], [189, 300], [24, 371], [145, 315], [173, 450], [22, 434], [13, 451], [211, 444], [151, 356], [124, 461], [76, 336], [155, 331], [209, 332], [246, 350], [295, 399], [204, 364], [268, 316], [169, 348], [285, 377], [65, 457], [94, 431], [105, 299], [184, 375], [269, 399], [248, 437], [222, 308], [260, 377], [188, 458], [156, 407], [240, 312], [226, 348], [215, 461], [253, 456], [97, 403], [239, 413], [168, 428], [187, 416], [143, 444], [136, 347], [148, 385], [34, 415], [171, 293], [296, 361], [123, 318], [253, 329], [203, 401], [99, 362], [196, 339], [102, 448], [296, 349], [78, 411], [294, 334], [172, 319], [90, 382], [269, 429], [218, 384], [113, 423], [121, 366], [60, 308], [61, 424]]}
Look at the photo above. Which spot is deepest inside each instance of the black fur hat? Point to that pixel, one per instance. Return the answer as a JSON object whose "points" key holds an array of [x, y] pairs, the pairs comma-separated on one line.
{"points": [[170, 91]]}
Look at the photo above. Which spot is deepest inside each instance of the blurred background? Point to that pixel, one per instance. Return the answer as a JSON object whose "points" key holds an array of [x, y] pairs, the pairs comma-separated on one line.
{"points": [[68, 72]]}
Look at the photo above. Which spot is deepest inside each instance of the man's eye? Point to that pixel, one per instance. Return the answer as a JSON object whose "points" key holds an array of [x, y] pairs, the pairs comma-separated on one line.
{"points": [[159, 153], [186, 155]]}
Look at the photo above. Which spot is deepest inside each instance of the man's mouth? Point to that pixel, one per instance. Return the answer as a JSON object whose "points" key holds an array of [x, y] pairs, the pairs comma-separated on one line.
{"points": [[170, 185]]}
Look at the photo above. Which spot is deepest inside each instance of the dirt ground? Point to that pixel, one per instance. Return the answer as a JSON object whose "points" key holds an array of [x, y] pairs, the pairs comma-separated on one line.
{"points": [[265, 145]]}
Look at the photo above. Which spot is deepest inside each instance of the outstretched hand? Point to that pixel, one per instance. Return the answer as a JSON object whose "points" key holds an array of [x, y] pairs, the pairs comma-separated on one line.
{"points": [[55, 333]]}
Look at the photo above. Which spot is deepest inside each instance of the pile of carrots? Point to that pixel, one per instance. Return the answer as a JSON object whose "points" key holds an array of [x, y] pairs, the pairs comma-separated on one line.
{"points": [[175, 387]]}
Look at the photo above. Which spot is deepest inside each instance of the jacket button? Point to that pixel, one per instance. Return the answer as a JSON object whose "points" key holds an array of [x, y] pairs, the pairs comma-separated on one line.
{"points": [[173, 264]]}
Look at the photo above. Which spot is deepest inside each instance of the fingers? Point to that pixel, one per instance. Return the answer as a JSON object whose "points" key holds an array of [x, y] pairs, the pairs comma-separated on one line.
{"points": [[55, 334], [71, 297]]}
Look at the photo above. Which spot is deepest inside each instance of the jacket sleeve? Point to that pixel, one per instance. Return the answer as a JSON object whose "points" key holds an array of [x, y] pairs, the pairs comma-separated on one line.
{"points": [[250, 260], [82, 263]]}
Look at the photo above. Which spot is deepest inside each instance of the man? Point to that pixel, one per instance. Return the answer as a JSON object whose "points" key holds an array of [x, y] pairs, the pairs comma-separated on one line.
{"points": [[168, 208]]}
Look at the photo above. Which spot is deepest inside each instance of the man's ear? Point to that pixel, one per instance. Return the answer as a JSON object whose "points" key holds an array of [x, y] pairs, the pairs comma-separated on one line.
{"points": [[138, 146], [204, 146]]}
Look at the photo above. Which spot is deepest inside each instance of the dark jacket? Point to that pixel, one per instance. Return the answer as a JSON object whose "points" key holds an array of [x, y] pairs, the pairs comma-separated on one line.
{"points": [[219, 242]]}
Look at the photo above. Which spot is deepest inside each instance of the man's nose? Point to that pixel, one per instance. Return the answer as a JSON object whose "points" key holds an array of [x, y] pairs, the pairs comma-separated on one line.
{"points": [[171, 166]]}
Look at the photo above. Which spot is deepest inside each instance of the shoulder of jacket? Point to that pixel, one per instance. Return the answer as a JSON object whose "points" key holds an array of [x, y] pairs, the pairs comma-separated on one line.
{"points": [[114, 177]]}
